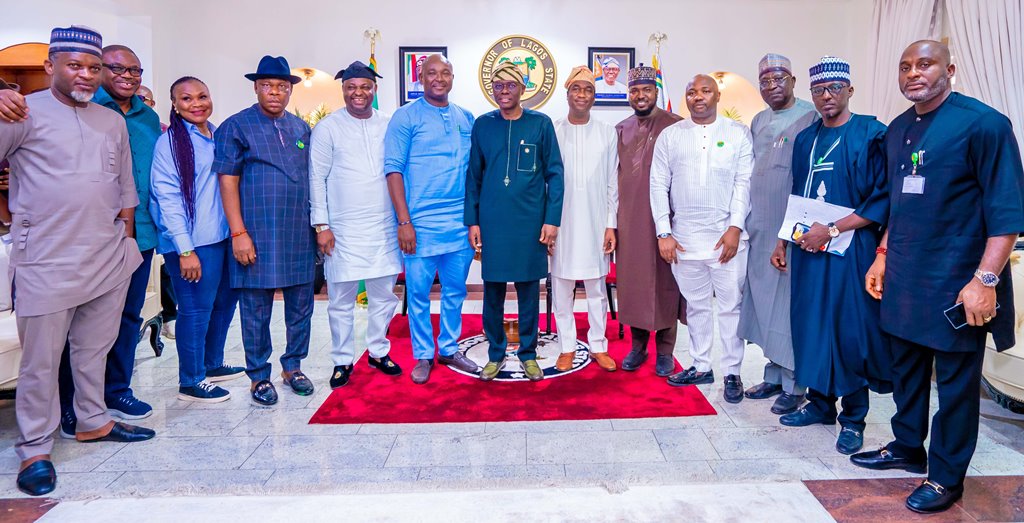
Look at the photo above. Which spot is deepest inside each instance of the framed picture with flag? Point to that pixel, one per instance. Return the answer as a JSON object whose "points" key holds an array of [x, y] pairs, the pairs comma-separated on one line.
{"points": [[411, 63], [610, 66]]}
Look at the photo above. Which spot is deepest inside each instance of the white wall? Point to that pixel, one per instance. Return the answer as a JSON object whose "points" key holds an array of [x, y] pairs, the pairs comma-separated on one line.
{"points": [[220, 41], [31, 21]]}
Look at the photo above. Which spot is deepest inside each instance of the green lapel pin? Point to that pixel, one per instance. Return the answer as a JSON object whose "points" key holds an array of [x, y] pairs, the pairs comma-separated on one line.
{"points": [[300, 144]]}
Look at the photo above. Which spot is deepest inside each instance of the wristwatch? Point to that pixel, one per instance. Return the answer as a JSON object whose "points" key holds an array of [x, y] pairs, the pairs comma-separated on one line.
{"points": [[664, 235], [988, 279], [321, 228], [186, 254], [833, 231]]}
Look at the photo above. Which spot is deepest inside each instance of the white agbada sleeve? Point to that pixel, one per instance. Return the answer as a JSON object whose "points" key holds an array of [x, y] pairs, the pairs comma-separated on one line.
{"points": [[321, 158]]}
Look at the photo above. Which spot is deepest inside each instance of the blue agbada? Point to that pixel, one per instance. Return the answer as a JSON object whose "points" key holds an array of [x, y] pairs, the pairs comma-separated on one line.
{"points": [[837, 341], [271, 155], [513, 188], [974, 190]]}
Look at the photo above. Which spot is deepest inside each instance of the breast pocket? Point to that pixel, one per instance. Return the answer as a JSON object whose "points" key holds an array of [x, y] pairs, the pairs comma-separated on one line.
{"points": [[527, 159], [110, 154]]}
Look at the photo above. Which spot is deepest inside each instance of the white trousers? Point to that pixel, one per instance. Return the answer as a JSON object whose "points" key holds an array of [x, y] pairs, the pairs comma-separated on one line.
{"points": [[562, 293], [699, 281], [380, 292]]}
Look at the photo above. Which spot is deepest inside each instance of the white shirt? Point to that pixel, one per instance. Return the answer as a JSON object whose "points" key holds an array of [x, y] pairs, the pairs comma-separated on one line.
{"points": [[349, 193], [591, 199], [701, 173], [615, 88]]}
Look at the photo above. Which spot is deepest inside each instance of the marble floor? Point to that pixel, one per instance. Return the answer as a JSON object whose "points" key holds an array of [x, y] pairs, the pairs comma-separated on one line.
{"points": [[233, 449]]}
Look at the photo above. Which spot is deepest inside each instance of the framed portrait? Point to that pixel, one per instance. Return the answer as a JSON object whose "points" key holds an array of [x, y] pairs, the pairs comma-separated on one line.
{"points": [[610, 66], [410, 61]]}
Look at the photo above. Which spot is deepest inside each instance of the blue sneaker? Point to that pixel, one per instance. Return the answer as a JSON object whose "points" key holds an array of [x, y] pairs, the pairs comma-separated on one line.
{"points": [[128, 407], [203, 392], [224, 373], [68, 422]]}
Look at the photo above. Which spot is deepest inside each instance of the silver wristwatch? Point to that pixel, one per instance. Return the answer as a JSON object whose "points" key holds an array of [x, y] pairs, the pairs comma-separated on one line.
{"points": [[988, 279], [664, 235], [833, 230]]}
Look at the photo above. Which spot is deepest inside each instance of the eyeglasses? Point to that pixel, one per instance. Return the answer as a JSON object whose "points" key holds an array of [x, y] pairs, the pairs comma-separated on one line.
{"points": [[770, 83], [833, 89], [499, 87], [120, 70]]}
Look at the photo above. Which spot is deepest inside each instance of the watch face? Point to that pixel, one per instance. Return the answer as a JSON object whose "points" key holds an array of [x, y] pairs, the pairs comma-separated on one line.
{"points": [[989, 279]]}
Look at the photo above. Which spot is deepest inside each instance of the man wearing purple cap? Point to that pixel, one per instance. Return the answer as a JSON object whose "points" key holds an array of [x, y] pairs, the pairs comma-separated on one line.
{"points": [[764, 315], [263, 161], [839, 349], [73, 200]]}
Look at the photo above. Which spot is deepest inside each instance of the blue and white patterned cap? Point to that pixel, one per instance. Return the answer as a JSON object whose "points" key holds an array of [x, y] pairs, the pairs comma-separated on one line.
{"points": [[76, 39], [830, 69]]}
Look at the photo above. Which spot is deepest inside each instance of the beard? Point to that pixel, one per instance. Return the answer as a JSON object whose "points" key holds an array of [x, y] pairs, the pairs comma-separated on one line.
{"points": [[644, 112], [932, 91], [82, 96]]}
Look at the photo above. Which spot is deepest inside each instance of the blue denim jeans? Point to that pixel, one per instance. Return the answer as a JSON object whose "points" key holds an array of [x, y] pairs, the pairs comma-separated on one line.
{"points": [[205, 309], [451, 270]]}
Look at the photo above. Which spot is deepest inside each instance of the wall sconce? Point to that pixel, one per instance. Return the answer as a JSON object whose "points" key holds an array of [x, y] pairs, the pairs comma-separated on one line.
{"points": [[720, 77], [308, 74]]}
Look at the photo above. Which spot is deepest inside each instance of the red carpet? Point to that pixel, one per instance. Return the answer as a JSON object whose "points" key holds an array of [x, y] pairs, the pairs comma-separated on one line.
{"points": [[590, 393]]}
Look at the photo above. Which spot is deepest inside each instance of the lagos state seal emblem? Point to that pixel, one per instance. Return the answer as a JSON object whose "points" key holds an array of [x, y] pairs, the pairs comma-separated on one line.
{"points": [[548, 349], [532, 58]]}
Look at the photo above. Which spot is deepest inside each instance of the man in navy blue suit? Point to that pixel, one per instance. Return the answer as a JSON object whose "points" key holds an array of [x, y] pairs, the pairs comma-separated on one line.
{"points": [[956, 186]]}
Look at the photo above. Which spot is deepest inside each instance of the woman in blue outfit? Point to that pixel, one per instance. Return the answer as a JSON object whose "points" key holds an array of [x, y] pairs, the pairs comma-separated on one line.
{"points": [[194, 240]]}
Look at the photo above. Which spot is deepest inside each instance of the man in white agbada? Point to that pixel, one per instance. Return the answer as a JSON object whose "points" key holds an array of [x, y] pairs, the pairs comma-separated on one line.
{"points": [[701, 173], [589, 208], [355, 221]]}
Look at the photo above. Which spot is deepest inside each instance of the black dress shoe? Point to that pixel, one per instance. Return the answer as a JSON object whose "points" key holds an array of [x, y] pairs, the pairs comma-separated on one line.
{"points": [[38, 478], [385, 365], [690, 376], [264, 394], [634, 359], [299, 382], [849, 441], [787, 403], [930, 498], [882, 459], [804, 417], [664, 364], [763, 391], [125, 433], [340, 376], [733, 388]]}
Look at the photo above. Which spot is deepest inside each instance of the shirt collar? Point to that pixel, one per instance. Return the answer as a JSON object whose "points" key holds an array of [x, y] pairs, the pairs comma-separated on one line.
{"points": [[103, 98], [193, 129]]}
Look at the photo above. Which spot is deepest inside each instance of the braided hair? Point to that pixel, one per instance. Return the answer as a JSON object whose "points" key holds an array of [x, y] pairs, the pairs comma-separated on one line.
{"points": [[184, 155]]}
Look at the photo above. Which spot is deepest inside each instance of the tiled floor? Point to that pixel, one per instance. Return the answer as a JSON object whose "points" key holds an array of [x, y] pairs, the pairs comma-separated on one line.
{"points": [[233, 448]]}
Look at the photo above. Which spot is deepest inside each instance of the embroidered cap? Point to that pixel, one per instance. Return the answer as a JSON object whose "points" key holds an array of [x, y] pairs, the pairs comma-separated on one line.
{"points": [[642, 75], [76, 39], [774, 62], [830, 69]]}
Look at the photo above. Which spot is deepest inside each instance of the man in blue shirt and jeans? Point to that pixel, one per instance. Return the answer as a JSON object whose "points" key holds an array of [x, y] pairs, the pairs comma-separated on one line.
{"points": [[121, 78], [426, 153]]}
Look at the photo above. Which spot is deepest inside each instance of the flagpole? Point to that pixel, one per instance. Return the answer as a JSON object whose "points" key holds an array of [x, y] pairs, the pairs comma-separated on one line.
{"points": [[665, 102]]}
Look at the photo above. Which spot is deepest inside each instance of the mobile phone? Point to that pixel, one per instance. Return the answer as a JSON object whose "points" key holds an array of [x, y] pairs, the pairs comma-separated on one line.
{"points": [[957, 316], [800, 229]]}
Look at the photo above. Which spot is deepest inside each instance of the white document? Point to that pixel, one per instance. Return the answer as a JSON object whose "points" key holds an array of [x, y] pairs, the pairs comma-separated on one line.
{"points": [[807, 211]]}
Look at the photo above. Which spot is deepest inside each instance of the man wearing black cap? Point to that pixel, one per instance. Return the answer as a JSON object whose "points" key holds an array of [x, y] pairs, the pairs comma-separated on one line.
{"points": [[263, 162], [355, 221]]}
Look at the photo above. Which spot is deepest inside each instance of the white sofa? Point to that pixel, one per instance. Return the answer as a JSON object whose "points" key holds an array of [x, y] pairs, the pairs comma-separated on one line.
{"points": [[10, 346]]}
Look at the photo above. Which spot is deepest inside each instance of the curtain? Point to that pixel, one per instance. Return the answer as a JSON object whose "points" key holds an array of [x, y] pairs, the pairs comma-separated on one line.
{"points": [[895, 25], [988, 50]]}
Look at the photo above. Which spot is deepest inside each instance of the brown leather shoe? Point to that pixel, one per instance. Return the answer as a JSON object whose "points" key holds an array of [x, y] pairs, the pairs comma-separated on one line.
{"points": [[604, 361], [564, 362]]}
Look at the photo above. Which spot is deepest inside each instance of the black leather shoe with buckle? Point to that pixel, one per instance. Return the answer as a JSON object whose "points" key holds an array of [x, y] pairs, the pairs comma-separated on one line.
{"points": [[264, 393], [931, 497], [883, 459]]}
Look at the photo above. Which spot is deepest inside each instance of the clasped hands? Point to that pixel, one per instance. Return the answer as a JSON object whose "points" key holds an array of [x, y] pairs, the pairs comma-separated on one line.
{"points": [[668, 247]]}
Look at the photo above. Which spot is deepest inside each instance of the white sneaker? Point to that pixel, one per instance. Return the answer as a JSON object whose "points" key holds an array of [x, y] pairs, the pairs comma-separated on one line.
{"points": [[168, 330]]}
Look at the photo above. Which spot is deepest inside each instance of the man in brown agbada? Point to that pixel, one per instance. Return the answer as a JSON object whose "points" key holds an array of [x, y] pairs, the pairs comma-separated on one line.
{"points": [[648, 297]]}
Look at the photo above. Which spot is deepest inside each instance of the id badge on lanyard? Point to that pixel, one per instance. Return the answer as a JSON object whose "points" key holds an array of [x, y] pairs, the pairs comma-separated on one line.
{"points": [[914, 184]]}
